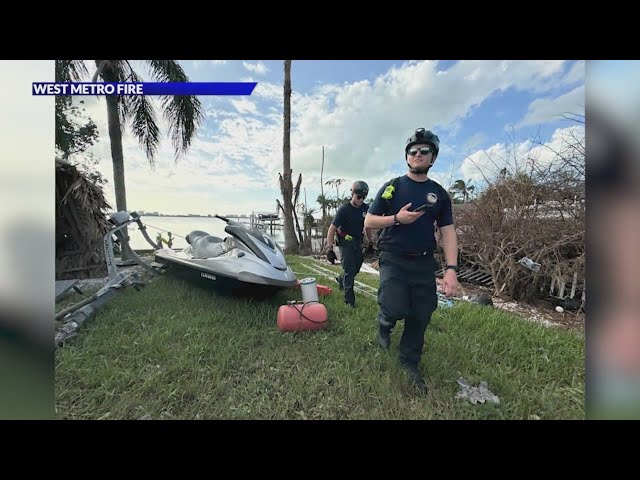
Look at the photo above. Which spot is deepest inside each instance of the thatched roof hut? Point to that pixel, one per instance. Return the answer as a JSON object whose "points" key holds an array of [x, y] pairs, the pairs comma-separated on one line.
{"points": [[81, 224]]}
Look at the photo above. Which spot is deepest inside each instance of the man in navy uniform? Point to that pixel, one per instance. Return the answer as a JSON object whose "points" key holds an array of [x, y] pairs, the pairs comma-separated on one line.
{"points": [[407, 209], [348, 225]]}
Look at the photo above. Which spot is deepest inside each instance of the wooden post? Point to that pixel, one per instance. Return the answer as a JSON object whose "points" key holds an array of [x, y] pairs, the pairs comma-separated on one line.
{"points": [[573, 286]]}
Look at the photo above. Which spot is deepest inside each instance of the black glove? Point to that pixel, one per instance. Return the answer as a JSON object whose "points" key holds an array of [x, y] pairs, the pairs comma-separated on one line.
{"points": [[331, 256]]}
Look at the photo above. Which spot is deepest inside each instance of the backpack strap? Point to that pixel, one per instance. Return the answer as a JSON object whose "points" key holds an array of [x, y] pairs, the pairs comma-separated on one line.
{"points": [[387, 195]]}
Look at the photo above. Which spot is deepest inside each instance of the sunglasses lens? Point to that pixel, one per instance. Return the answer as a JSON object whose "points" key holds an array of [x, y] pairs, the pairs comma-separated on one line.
{"points": [[423, 151]]}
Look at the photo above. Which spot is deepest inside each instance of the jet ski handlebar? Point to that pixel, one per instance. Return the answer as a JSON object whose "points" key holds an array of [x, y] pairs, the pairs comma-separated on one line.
{"points": [[227, 221]]}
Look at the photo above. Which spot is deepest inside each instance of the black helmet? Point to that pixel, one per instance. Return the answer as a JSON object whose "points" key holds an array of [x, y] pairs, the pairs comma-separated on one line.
{"points": [[423, 136], [360, 186]]}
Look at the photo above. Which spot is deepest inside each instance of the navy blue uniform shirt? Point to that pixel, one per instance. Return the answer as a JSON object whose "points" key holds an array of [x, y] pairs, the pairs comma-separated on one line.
{"points": [[350, 220], [418, 236]]}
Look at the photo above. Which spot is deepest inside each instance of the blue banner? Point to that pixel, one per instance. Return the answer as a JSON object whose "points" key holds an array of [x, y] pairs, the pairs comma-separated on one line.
{"points": [[143, 88]]}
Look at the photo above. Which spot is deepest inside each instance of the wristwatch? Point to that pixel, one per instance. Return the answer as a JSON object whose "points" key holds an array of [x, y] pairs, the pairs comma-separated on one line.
{"points": [[452, 267], [395, 219]]}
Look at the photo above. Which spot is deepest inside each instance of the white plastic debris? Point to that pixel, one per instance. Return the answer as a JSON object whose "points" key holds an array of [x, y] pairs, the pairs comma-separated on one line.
{"points": [[530, 264], [476, 395], [444, 301]]}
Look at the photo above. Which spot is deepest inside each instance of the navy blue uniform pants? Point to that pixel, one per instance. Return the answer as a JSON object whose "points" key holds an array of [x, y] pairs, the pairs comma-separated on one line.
{"points": [[352, 259], [407, 291]]}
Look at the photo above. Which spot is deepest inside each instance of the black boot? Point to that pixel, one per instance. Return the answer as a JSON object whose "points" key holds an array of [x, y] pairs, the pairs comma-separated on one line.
{"points": [[384, 338], [415, 377]]}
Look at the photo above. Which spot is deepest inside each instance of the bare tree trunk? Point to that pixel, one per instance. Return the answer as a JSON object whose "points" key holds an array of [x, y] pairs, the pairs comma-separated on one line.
{"points": [[115, 138], [324, 208], [296, 194], [286, 186], [301, 245]]}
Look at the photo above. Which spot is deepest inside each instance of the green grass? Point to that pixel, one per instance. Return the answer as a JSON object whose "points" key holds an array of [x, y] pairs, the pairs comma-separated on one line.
{"points": [[174, 351]]}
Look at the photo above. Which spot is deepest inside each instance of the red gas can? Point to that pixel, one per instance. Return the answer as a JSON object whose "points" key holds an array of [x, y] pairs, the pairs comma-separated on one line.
{"points": [[302, 316], [323, 290]]}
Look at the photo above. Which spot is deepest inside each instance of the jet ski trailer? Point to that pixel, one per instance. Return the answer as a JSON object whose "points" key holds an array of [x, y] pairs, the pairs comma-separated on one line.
{"points": [[248, 261]]}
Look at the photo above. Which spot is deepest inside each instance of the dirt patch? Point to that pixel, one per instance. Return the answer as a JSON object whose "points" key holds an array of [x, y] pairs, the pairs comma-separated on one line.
{"points": [[542, 311], [540, 314]]}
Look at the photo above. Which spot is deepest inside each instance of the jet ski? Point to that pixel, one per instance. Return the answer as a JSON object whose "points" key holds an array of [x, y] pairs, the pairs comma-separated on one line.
{"points": [[248, 261]]}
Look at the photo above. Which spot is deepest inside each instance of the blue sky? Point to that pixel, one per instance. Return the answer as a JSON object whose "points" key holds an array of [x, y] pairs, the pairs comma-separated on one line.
{"points": [[361, 112]]}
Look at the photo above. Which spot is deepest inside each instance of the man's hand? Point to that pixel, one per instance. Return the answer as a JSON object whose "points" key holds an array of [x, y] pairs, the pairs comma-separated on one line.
{"points": [[450, 283], [405, 217]]}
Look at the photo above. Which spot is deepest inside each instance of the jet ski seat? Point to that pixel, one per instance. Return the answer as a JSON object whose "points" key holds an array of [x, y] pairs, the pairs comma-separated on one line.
{"points": [[204, 245]]}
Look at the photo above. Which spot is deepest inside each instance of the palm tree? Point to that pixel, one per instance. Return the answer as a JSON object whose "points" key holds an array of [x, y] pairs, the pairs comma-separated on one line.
{"points": [[336, 182], [291, 244], [184, 113], [324, 204], [464, 189]]}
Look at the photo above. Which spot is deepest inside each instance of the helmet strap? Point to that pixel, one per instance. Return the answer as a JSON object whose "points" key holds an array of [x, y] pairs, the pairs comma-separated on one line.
{"points": [[418, 172]]}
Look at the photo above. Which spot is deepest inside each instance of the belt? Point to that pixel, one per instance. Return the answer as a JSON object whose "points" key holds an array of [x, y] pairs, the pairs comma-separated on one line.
{"points": [[353, 241], [418, 254], [412, 255]]}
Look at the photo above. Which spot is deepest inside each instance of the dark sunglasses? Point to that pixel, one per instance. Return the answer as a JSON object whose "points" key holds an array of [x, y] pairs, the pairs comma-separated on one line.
{"points": [[424, 151], [360, 194]]}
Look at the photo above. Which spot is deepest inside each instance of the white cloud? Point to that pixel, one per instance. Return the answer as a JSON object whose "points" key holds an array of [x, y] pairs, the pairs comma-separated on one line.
{"points": [[259, 68], [576, 73], [544, 110], [362, 125], [244, 105], [268, 91], [218, 62], [486, 164]]}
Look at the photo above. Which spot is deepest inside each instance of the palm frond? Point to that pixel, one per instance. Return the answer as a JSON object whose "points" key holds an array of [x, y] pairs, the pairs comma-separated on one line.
{"points": [[80, 224], [144, 126], [140, 112], [128, 103], [184, 114], [70, 70], [167, 71]]}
